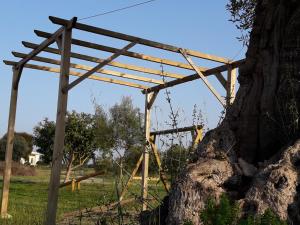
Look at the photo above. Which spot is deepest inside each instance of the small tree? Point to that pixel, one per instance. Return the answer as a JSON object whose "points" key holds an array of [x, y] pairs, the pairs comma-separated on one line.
{"points": [[22, 146]]}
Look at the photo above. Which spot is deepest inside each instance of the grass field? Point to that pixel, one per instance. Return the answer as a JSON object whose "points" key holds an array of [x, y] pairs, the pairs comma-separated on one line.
{"points": [[28, 198]]}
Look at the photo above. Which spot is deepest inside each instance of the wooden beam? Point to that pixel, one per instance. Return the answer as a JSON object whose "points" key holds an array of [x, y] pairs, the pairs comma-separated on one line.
{"points": [[43, 45], [10, 141], [230, 89], [221, 79], [79, 179], [59, 129], [138, 40], [87, 68], [127, 53], [74, 73], [204, 79], [186, 79], [178, 130], [133, 173], [198, 137], [99, 66], [115, 64], [162, 174], [145, 168]]}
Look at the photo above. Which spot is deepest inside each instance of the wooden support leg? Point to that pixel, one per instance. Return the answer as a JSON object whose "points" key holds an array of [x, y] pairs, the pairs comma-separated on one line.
{"points": [[60, 129], [137, 166], [145, 168], [10, 140], [73, 185], [162, 174], [231, 79]]}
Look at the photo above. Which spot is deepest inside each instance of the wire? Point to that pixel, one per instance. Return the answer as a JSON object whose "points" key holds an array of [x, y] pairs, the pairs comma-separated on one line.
{"points": [[117, 10]]}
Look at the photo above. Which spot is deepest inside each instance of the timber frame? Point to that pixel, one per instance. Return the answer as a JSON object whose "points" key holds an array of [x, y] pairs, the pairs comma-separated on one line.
{"points": [[64, 40]]}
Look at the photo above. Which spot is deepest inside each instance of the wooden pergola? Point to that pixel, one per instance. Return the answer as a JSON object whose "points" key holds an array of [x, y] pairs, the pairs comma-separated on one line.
{"points": [[63, 38]]}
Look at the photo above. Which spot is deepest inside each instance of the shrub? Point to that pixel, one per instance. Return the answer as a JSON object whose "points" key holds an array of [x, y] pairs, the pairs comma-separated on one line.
{"points": [[227, 212], [18, 169]]}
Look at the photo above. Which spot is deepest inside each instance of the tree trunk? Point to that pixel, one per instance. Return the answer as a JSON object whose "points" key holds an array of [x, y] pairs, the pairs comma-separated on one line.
{"points": [[69, 168], [254, 155]]}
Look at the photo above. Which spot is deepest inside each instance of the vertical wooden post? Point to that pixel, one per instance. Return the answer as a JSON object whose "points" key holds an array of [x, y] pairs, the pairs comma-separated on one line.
{"points": [[73, 185], [145, 168], [60, 128], [10, 140], [231, 79]]}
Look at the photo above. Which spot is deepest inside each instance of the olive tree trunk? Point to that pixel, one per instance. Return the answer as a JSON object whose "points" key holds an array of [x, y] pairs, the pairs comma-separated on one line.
{"points": [[254, 155]]}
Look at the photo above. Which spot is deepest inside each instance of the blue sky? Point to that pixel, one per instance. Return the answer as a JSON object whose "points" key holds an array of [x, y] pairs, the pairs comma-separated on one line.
{"points": [[195, 24]]}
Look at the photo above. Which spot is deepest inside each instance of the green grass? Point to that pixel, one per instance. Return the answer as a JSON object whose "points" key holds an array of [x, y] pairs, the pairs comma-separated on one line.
{"points": [[28, 197]]}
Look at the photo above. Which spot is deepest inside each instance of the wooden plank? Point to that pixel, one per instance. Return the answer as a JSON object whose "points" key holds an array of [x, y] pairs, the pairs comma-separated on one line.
{"points": [[99, 66], [135, 170], [114, 63], [127, 53], [74, 73], [142, 41], [10, 141], [149, 178], [79, 179], [59, 129], [221, 79], [162, 174], [88, 68], [198, 137], [194, 76], [230, 89], [178, 130], [43, 45], [145, 164], [204, 79]]}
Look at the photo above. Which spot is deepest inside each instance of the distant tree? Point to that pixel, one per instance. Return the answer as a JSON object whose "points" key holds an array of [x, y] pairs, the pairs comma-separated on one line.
{"points": [[80, 139], [22, 146], [43, 139], [127, 129], [127, 124]]}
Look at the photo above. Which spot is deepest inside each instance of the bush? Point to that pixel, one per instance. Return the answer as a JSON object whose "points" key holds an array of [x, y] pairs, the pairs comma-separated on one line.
{"points": [[227, 213], [18, 169]]}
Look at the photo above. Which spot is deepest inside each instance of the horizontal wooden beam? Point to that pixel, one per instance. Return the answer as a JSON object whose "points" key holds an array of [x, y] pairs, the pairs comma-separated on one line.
{"points": [[88, 68], [138, 40], [114, 63], [186, 79], [127, 53], [99, 66], [74, 73], [79, 179], [178, 130]]}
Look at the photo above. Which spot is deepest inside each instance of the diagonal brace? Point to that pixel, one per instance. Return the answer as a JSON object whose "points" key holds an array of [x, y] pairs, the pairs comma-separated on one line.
{"points": [[190, 61], [99, 66]]}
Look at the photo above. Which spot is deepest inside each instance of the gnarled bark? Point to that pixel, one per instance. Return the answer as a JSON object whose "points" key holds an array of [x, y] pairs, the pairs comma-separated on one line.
{"points": [[254, 155]]}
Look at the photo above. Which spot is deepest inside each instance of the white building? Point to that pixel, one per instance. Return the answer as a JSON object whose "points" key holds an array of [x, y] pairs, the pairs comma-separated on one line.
{"points": [[33, 158]]}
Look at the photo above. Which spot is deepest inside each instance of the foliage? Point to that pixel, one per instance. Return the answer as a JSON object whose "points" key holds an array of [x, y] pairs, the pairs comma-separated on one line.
{"points": [[242, 15], [127, 124], [43, 139], [174, 159], [80, 140], [22, 146], [228, 213]]}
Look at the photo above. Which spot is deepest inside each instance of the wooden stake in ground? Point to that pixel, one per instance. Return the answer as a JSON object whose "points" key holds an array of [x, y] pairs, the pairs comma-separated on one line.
{"points": [[10, 140], [60, 128]]}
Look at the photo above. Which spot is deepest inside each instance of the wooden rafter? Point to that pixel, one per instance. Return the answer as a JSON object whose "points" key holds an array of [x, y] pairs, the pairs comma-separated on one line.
{"points": [[88, 68], [127, 53], [114, 63], [186, 79], [74, 73], [99, 66], [138, 40]]}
